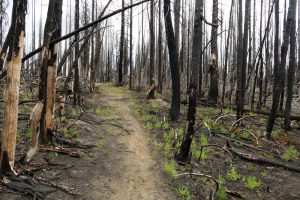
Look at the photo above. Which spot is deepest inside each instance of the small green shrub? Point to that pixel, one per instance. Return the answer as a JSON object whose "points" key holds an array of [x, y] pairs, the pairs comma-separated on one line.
{"points": [[100, 143], [252, 183], [99, 111], [290, 154], [276, 134], [203, 140], [70, 133], [264, 173], [63, 119], [185, 192], [52, 154], [221, 194], [157, 145], [29, 132], [245, 134], [165, 125], [170, 168], [232, 174], [75, 112], [149, 126]]}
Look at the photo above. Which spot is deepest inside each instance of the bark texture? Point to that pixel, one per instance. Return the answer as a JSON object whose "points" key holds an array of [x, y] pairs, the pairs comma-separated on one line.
{"points": [[14, 61]]}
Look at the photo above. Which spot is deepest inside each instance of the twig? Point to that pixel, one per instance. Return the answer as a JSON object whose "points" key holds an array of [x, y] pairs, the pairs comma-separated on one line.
{"points": [[240, 130], [62, 188], [62, 151], [237, 121], [223, 116]]}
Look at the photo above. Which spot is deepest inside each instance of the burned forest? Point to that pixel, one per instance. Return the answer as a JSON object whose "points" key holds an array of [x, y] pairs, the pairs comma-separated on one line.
{"points": [[150, 99]]}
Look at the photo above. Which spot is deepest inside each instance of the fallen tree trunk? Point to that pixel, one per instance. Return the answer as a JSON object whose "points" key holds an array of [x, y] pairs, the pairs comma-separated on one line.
{"points": [[262, 160], [210, 104]]}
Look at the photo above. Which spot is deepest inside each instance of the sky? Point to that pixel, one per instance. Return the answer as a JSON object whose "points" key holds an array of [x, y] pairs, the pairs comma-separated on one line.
{"points": [[40, 8]]}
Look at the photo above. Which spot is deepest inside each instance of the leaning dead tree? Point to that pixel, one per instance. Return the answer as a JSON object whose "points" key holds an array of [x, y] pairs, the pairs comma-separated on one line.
{"points": [[14, 61]]}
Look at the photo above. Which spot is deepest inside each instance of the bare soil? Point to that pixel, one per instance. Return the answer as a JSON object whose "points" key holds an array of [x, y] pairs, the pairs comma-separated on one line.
{"points": [[121, 166]]}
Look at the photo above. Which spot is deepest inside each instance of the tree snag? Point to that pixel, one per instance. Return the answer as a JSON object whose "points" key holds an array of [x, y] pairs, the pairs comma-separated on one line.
{"points": [[173, 57], [11, 101]]}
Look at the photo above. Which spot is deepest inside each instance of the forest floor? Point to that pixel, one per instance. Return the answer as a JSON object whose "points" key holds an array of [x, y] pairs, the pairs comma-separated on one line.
{"points": [[125, 148]]}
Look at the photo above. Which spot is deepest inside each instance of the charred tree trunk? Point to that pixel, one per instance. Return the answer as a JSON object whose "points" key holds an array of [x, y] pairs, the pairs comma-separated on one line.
{"points": [[201, 55], [52, 69], [45, 54], [76, 89], [152, 45], [159, 49], [183, 154], [243, 62], [292, 65], [14, 62], [227, 52], [131, 47], [279, 71], [121, 53], [173, 57], [213, 68], [239, 59]]}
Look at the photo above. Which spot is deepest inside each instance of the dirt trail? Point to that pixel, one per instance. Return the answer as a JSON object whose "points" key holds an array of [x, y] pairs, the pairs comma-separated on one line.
{"points": [[137, 175]]}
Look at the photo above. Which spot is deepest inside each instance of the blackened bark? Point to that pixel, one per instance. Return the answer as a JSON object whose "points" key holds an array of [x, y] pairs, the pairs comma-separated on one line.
{"points": [[261, 73], [173, 57], [43, 62], [131, 47], [201, 55], [45, 51], [76, 90], [213, 68], [292, 65], [152, 45], [227, 52], [241, 97], [183, 154], [120, 64], [239, 59], [49, 63], [159, 49], [279, 72]]}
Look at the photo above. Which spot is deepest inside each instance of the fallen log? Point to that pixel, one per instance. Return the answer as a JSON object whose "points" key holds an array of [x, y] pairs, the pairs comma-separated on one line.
{"points": [[279, 115], [262, 160], [62, 151]]}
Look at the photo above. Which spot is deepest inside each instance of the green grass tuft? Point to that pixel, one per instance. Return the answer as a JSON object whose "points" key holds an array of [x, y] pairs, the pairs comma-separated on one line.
{"points": [[170, 168], [232, 174], [252, 183], [290, 154], [184, 192]]}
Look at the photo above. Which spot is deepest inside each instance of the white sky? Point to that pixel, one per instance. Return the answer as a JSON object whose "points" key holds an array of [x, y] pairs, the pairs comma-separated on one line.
{"points": [[41, 7]]}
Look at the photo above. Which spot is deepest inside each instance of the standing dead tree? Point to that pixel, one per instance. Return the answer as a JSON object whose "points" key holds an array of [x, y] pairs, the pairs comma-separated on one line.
{"points": [[280, 71], [14, 61], [183, 154], [173, 58]]}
